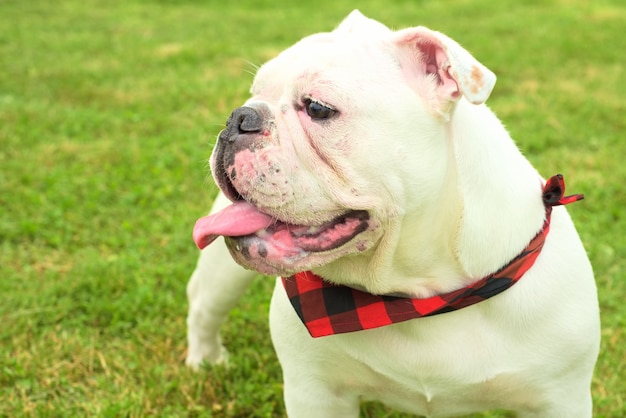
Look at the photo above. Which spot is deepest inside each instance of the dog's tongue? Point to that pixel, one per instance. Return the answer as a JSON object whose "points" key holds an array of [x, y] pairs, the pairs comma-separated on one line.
{"points": [[236, 220]]}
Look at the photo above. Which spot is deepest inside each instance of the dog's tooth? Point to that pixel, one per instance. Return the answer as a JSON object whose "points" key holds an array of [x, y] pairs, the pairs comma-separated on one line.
{"points": [[313, 230]]}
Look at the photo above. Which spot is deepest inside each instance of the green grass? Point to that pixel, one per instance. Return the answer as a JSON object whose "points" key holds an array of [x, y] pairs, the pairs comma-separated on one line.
{"points": [[108, 111]]}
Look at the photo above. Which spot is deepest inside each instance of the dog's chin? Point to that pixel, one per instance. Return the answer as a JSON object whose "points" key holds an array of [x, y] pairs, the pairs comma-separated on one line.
{"points": [[284, 249]]}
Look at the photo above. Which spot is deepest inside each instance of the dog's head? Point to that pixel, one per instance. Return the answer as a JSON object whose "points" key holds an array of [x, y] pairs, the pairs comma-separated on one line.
{"points": [[344, 135]]}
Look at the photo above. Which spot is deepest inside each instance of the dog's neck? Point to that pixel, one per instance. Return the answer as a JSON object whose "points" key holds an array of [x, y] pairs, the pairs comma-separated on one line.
{"points": [[327, 309], [488, 210], [499, 189]]}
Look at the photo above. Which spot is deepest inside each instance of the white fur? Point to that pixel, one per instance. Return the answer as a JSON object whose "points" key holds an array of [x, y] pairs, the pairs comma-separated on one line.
{"points": [[455, 200]]}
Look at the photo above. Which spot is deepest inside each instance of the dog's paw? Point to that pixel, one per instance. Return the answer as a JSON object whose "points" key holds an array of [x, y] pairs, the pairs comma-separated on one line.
{"points": [[215, 354]]}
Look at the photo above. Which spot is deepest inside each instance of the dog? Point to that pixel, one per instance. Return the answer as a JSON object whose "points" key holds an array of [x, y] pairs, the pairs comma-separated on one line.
{"points": [[423, 262]]}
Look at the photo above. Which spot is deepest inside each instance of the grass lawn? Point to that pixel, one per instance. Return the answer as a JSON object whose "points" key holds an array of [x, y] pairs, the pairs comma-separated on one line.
{"points": [[108, 111]]}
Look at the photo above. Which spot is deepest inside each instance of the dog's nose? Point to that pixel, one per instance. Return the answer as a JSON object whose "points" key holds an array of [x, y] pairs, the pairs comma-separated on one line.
{"points": [[242, 120]]}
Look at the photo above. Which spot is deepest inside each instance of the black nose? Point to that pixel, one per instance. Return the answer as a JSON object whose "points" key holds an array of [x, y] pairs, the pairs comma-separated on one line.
{"points": [[242, 120]]}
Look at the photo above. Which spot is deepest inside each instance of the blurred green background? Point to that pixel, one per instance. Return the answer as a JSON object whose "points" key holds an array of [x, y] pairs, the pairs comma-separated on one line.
{"points": [[108, 112]]}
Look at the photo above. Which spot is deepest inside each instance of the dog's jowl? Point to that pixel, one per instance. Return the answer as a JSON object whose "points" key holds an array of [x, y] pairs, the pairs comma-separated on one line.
{"points": [[422, 260]]}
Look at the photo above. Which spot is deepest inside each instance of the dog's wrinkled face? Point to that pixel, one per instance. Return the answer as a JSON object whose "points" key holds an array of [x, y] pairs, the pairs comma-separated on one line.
{"points": [[340, 139]]}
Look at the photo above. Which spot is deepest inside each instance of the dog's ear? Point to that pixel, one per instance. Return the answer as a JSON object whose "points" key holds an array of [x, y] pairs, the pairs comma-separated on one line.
{"points": [[423, 52], [357, 23]]}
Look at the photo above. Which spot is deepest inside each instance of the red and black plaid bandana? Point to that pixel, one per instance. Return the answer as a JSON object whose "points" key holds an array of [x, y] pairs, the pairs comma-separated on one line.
{"points": [[327, 309]]}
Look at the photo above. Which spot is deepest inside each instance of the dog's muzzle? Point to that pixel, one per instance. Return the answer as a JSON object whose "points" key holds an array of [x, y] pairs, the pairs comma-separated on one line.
{"points": [[244, 131]]}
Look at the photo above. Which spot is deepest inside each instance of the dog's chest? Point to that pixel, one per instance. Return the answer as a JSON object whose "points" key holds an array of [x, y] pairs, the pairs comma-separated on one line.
{"points": [[434, 398], [432, 373]]}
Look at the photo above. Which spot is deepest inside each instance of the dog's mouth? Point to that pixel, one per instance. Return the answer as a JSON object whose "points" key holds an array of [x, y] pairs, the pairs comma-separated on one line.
{"points": [[273, 243], [244, 222]]}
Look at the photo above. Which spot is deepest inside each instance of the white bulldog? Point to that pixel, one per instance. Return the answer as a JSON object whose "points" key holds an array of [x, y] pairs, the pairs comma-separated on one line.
{"points": [[366, 157]]}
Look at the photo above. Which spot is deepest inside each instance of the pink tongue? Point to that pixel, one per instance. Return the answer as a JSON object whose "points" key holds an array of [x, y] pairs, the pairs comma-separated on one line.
{"points": [[236, 220]]}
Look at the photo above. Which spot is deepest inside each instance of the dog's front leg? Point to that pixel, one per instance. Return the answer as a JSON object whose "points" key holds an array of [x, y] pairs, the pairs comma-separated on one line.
{"points": [[310, 366], [215, 287]]}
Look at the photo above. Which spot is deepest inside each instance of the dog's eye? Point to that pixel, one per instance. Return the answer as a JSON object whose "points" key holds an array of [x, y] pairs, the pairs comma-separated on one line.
{"points": [[317, 110]]}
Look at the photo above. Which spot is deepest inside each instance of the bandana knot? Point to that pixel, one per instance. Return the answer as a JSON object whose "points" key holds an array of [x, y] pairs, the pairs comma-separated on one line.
{"points": [[327, 309]]}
